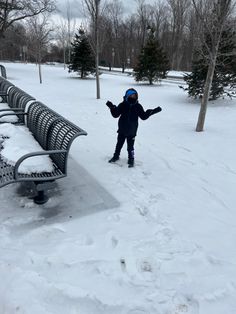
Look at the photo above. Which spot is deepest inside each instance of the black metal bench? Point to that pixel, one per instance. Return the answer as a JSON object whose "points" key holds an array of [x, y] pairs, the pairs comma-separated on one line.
{"points": [[55, 135], [16, 99]]}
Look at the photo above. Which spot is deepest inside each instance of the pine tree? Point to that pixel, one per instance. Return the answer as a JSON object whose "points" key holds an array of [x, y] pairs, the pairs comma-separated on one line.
{"points": [[82, 57], [152, 63], [224, 79]]}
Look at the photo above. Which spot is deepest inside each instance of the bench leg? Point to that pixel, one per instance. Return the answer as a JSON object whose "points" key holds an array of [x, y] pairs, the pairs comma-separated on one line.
{"points": [[40, 187], [40, 198]]}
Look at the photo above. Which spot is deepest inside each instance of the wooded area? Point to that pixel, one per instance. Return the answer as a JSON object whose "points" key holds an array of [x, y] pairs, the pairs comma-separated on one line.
{"points": [[121, 35]]}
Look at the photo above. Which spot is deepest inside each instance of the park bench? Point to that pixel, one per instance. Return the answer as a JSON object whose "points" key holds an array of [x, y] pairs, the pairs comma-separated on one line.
{"points": [[55, 135], [13, 105]]}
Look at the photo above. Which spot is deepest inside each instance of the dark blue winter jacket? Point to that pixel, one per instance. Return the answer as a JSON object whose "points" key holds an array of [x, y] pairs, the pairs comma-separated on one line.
{"points": [[129, 114]]}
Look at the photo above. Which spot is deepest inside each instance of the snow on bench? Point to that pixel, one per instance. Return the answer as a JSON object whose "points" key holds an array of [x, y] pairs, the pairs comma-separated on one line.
{"points": [[18, 141], [7, 115]]}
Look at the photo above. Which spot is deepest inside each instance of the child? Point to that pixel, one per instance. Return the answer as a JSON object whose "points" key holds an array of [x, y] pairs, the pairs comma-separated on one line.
{"points": [[129, 111]]}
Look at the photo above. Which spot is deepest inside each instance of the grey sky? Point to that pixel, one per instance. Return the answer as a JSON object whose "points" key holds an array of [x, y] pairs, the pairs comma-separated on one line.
{"points": [[76, 6]]}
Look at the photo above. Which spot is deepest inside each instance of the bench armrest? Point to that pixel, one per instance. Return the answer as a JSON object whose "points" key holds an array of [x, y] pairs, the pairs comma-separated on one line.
{"points": [[11, 109], [12, 114], [39, 153]]}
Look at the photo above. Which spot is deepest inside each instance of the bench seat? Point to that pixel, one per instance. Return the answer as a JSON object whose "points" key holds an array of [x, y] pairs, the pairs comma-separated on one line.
{"points": [[8, 176]]}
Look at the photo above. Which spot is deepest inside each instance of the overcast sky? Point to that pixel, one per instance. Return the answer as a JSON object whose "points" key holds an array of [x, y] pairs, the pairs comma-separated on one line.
{"points": [[76, 6]]}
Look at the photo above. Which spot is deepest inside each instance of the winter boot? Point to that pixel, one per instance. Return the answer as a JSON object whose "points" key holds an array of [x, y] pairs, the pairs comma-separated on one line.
{"points": [[131, 158], [130, 162], [114, 159]]}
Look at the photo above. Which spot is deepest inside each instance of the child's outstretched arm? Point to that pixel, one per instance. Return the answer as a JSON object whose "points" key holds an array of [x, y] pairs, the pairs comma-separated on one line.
{"points": [[146, 114], [153, 111], [115, 111]]}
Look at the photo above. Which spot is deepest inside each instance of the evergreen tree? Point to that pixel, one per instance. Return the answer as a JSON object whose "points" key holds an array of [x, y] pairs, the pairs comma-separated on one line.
{"points": [[224, 79], [152, 63], [82, 57]]}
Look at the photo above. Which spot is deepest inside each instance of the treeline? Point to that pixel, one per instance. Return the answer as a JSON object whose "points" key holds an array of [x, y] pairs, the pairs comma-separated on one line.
{"points": [[122, 35], [125, 35], [19, 44]]}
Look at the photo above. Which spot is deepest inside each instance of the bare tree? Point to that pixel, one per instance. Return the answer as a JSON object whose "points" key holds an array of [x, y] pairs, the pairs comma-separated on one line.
{"points": [[114, 15], [114, 12], [144, 13], [190, 42], [70, 28], [213, 16], [160, 16], [39, 31], [95, 12], [131, 40], [12, 11], [62, 38], [179, 11], [65, 31], [14, 42]]}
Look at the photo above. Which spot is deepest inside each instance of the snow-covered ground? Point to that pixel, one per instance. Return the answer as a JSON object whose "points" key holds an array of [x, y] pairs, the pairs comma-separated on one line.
{"points": [[155, 239]]}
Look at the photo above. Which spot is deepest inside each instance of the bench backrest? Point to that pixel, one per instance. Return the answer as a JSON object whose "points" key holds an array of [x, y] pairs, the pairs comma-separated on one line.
{"points": [[5, 85], [17, 98], [3, 71], [52, 132]]}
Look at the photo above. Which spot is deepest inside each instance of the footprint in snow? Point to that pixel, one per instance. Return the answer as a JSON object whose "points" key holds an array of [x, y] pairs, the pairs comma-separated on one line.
{"points": [[114, 242], [186, 305]]}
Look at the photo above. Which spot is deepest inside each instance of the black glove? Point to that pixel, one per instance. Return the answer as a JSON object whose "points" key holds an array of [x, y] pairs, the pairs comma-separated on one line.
{"points": [[156, 110], [109, 104]]}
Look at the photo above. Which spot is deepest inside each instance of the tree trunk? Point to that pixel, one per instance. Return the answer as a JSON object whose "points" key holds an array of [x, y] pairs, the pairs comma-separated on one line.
{"points": [[64, 56], [97, 50], [206, 93], [40, 73], [97, 74], [40, 69]]}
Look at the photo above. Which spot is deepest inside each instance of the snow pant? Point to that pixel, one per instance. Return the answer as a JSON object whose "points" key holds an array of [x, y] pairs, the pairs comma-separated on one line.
{"points": [[130, 145]]}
